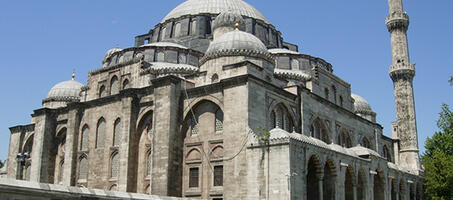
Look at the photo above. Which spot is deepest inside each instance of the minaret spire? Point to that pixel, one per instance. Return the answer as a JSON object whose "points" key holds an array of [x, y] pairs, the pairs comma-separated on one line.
{"points": [[402, 72]]}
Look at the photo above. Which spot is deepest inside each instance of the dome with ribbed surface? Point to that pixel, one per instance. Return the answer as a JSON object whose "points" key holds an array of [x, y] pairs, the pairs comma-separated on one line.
{"points": [[110, 53], [360, 104], [66, 90], [195, 7], [237, 43], [229, 19]]}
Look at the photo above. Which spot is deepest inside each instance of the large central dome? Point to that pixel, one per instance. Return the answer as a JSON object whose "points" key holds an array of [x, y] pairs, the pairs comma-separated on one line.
{"points": [[194, 7]]}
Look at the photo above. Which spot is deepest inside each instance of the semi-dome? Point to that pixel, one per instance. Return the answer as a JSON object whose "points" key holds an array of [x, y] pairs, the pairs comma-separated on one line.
{"points": [[361, 105], [110, 53], [237, 43], [65, 90], [195, 7]]}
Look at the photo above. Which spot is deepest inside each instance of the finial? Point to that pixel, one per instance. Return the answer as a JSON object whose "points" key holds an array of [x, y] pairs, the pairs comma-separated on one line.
{"points": [[73, 74], [237, 26]]}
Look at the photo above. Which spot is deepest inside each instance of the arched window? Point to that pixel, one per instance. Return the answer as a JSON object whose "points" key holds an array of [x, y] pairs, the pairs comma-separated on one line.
{"points": [[100, 133], [177, 32], [160, 56], [326, 93], [114, 165], [294, 64], [386, 153], [219, 120], [366, 143], [318, 130], [344, 140], [281, 118], [194, 27], [83, 169], [126, 84], [341, 101], [164, 33], [215, 78], [334, 90], [114, 85], [273, 120], [102, 92], [85, 138], [117, 132]]}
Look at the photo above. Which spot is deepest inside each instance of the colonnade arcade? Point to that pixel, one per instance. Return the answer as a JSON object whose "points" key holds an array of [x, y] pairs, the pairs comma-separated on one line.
{"points": [[326, 181]]}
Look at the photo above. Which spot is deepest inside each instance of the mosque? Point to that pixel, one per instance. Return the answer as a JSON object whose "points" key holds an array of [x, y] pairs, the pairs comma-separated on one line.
{"points": [[212, 103]]}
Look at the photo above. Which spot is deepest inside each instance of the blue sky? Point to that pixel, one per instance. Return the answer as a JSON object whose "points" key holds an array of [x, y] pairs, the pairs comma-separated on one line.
{"points": [[41, 42]]}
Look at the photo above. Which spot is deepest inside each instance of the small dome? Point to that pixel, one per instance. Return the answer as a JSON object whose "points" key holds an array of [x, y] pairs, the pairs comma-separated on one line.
{"points": [[361, 105], [69, 90], [237, 43], [228, 19], [195, 7], [110, 53]]}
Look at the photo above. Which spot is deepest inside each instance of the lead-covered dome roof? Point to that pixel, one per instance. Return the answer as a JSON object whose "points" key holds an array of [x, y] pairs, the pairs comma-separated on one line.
{"points": [[195, 7], [361, 105], [110, 53], [229, 19], [69, 90], [237, 43]]}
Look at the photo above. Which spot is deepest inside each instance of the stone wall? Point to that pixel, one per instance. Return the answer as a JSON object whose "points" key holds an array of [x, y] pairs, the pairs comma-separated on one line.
{"points": [[13, 189]]}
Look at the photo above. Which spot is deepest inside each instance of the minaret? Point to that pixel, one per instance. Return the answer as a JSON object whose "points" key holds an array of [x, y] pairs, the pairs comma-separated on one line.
{"points": [[402, 72]]}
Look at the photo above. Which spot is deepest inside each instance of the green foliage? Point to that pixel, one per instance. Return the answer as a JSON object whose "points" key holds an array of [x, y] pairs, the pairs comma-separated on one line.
{"points": [[1, 164], [438, 158], [264, 136]]}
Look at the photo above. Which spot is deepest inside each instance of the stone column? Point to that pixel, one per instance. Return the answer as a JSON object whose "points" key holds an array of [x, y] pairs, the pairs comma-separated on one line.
{"points": [[320, 185], [72, 141], [42, 146], [15, 146], [354, 190], [166, 166], [127, 158], [371, 184]]}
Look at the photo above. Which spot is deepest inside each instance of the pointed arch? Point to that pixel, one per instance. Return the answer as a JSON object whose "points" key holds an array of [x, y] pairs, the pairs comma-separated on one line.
{"points": [[349, 183], [281, 117], [114, 85], [83, 168], [361, 185], [217, 153], [102, 91], [366, 143], [379, 185], [193, 155], [329, 180], [126, 84], [318, 130], [386, 153], [204, 118], [393, 190], [143, 140], [100, 133], [313, 176], [117, 132], [344, 139], [114, 165]]}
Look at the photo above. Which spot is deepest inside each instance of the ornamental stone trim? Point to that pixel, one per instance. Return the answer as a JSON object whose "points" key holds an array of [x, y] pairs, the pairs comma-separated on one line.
{"points": [[292, 74], [397, 20], [236, 52], [62, 98]]}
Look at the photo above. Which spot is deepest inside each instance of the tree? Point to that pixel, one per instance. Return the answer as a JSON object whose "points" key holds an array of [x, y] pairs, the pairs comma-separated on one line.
{"points": [[1, 164], [438, 158]]}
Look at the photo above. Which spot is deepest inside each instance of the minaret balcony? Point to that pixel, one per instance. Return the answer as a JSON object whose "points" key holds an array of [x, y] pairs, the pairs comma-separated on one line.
{"points": [[397, 20], [402, 70]]}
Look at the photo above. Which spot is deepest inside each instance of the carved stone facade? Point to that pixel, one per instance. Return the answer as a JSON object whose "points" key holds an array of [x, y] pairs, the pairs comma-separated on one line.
{"points": [[188, 114]]}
